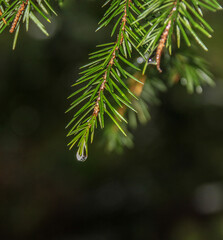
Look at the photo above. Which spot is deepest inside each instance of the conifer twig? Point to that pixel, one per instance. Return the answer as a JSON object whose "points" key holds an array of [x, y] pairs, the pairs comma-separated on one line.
{"points": [[18, 15], [106, 74], [145, 25], [164, 38], [111, 62], [14, 13]]}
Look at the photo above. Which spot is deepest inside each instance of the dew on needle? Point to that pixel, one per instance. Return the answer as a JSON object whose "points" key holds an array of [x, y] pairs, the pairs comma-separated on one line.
{"points": [[82, 156], [152, 61]]}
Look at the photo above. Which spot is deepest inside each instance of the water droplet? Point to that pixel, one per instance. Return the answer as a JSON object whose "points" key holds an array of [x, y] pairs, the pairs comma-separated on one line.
{"points": [[183, 81], [152, 61], [199, 89], [140, 60], [82, 156]]}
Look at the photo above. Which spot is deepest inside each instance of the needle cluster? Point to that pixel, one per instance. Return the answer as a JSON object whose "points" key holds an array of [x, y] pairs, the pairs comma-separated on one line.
{"points": [[115, 84], [147, 27], [13, 12]]}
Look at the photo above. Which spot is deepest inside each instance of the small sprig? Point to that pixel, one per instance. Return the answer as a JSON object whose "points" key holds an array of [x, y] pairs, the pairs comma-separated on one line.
{"points": [[105, 90], [17, 16], [12, 13], [118, 43], [157, 20], [164, 38]]}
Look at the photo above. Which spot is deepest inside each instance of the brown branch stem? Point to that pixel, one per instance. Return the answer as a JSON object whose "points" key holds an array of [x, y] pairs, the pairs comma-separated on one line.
{"points": [[18, 15], [111, 62], [163, 39]]}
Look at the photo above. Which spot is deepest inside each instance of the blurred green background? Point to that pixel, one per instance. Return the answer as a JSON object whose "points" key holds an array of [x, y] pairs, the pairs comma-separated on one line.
{"points": [[168, 187]]}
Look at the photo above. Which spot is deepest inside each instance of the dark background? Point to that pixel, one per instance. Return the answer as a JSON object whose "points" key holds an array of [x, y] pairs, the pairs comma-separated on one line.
{"points": [[168, 187]]}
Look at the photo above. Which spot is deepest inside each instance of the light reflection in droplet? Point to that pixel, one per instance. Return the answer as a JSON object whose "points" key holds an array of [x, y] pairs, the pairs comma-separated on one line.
{"points": [[152, 61], [82, 156]]}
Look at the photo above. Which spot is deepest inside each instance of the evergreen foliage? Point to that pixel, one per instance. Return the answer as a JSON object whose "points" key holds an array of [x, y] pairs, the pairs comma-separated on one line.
{"points": [[12, 13], [146, 26], [116, 83]]}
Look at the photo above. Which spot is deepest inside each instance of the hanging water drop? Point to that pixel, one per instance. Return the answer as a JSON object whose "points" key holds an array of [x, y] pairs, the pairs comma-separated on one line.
{"points": [[152, 61], [183, 81], [199, 89], [82, 153], [81, 158]]}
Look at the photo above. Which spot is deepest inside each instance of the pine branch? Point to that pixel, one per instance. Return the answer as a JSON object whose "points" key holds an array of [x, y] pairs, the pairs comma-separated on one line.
{"points": [[150, 27], [12, 13], [184, 18], [105, 90], [184, 68], [164, 37], [147, 24]]}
